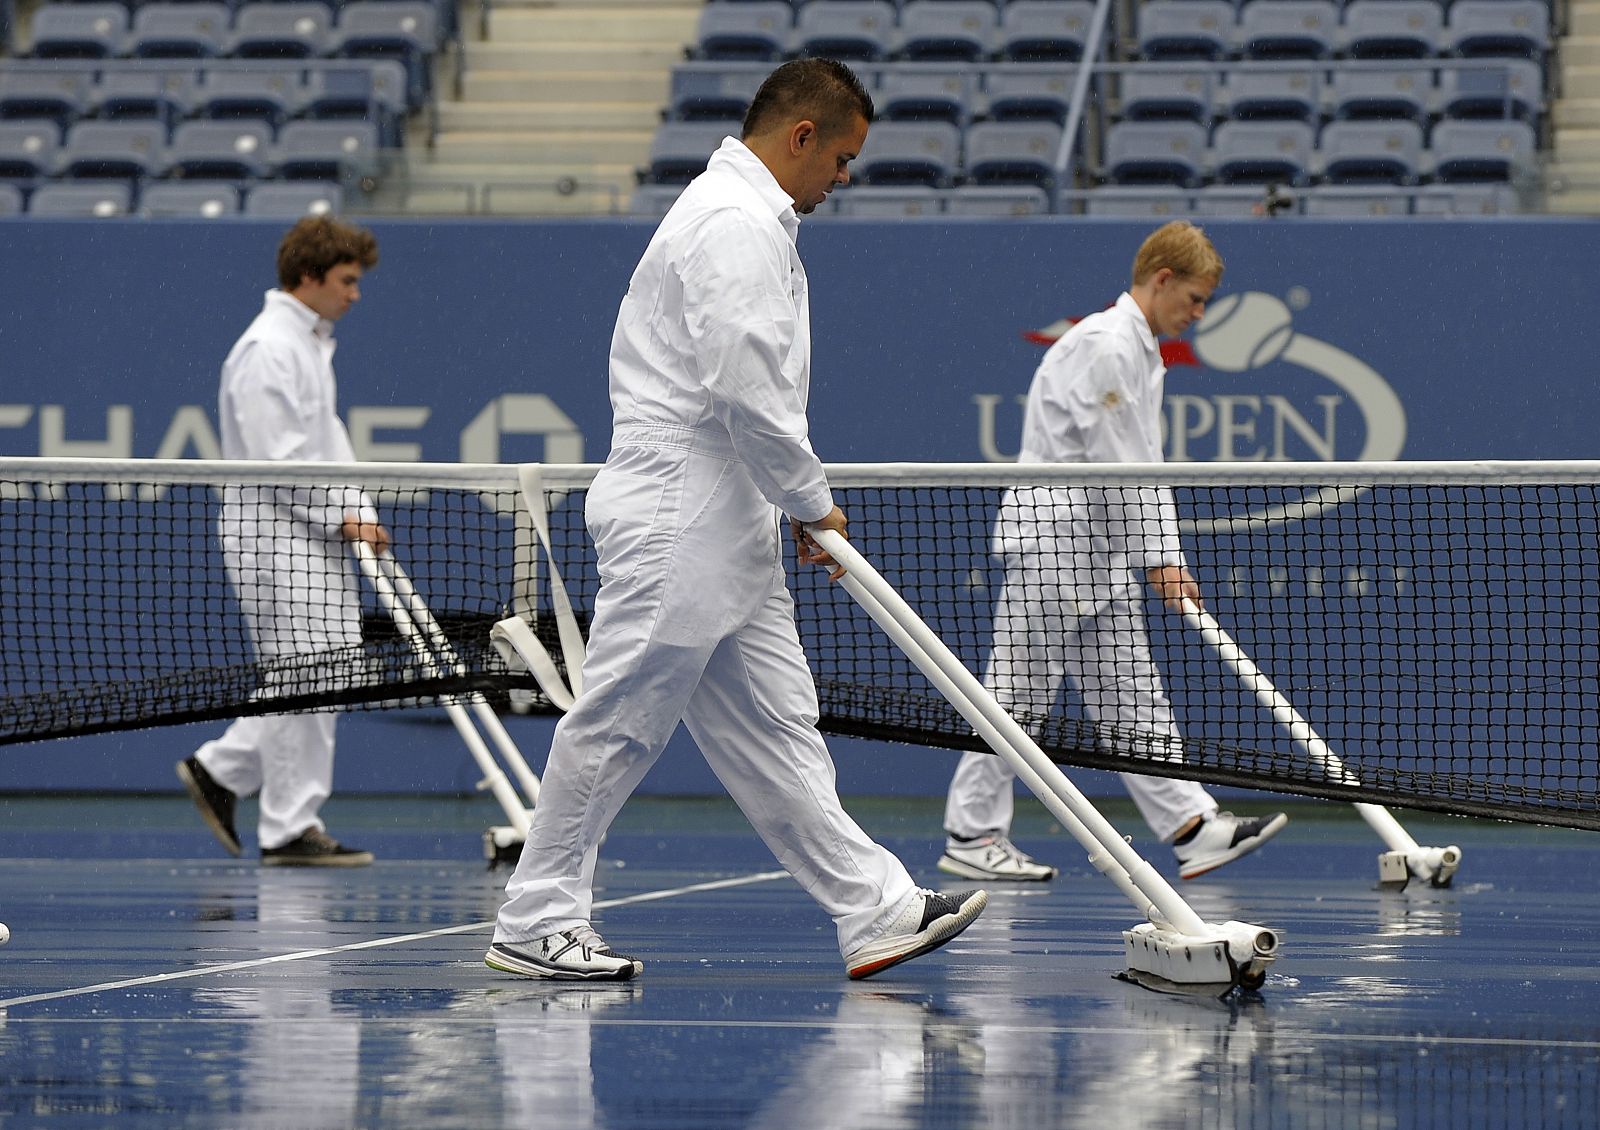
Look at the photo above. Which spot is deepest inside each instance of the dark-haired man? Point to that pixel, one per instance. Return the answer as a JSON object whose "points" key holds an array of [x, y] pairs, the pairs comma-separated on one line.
{"points": [[286, 551], [710, 369]]}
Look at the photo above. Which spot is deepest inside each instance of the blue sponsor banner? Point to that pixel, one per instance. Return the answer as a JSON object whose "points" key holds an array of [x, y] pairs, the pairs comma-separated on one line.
{"points": [[487, 342]]}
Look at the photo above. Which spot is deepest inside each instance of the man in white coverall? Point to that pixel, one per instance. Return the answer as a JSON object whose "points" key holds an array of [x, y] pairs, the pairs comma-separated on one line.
{"points": [[287, 549], [1072, 605], [710, 370]]}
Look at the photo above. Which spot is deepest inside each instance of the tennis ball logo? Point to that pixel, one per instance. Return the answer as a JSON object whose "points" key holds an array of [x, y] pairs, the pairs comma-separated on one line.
{"points": [[1244, 331]]}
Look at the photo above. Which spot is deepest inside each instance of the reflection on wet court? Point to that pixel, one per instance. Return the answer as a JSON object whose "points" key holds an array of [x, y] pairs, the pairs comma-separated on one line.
{"points": [[150, 980]]}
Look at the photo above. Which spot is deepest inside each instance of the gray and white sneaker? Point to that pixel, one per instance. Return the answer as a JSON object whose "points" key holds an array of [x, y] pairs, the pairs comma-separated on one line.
{"points": [[929, 921], [578, 954], [1223, 838], [993, 857]]}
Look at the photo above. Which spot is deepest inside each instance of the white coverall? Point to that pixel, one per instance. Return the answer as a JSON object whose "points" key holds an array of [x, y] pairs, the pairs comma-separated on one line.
{"points": [[285, 555], [710, 371], [1075, 559]]}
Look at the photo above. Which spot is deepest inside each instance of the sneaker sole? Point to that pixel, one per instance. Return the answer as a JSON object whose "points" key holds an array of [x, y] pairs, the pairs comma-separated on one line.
{"points": [[207, 813], [506, 963], [938, 932], [1197, 869], [967, 871], [360, 859]]}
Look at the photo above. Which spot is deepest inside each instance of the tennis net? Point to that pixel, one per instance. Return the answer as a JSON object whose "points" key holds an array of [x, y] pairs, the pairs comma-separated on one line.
{"points": [[1435, 622]]}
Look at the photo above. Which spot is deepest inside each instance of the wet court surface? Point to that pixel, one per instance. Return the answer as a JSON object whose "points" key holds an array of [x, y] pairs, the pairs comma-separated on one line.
{"points": [[154, 981]]}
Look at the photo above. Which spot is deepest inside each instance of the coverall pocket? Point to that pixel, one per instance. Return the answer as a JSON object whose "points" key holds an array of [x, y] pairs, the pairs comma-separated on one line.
{"points": [[621, 513]]}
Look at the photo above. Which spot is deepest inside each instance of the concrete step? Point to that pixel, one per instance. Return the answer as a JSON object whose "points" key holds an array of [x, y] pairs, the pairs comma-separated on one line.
{"points": [[511, 198], [1580, 82], [549, 115], [571, 86], [614, 26], [566, 58], [1583, 19], [1577, 143], [1576, 113], [1580, 51], [526, 147]]}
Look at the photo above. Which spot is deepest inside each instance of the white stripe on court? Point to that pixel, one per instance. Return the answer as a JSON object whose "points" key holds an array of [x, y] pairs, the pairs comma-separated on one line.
{"points": [[375, 943]]}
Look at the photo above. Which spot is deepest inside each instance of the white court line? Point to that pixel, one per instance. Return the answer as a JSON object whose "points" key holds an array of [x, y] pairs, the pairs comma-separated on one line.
{"points": [[374, 943]]}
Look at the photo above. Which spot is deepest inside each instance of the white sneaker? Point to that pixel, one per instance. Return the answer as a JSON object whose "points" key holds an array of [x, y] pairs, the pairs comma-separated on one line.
{"points": [[928, 922], [993, 857], [578, 954], [1223, 838]]}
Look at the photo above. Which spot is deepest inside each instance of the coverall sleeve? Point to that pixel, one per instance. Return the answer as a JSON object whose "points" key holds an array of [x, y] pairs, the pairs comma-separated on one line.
{"points": [[739, 310]]}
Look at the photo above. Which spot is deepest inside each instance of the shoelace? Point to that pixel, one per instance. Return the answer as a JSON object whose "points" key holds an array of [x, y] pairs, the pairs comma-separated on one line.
{"points": [[585, 936]]}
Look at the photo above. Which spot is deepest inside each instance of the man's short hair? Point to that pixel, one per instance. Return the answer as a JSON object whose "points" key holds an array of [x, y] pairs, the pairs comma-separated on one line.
{"points": [[1181, 246], [824, 91], [317, 244]]}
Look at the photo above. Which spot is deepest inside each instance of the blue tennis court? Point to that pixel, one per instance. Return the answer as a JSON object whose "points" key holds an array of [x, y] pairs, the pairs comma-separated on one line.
{"points": [[151, 979]]}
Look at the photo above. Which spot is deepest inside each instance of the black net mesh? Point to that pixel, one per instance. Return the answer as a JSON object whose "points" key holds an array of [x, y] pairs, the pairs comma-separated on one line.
{"points": [[1441, 636]]}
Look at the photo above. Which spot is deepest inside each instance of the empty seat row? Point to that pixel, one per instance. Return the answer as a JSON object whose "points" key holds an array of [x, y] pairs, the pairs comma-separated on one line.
{"points": [[103, 199], [1293, 152], [869, 30], [1503, 88], [406, 31], [233, 151], [986, 201], [65, 93], [1363, 29], [1338, 201], [896, 153], [1464, 89]]}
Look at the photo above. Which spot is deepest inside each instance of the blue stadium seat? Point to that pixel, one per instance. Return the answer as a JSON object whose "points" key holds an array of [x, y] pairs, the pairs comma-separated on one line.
{"points": [[289, 200], [1288, 29], [917, 95], [889, 203], [165, 96], [947, 30], [1404, 92], [1466, 200], [192, 30], [1013, 153], [346, 152], [1288, 95], [1018, 94], [1513, 89], [267, 96], [234, 151], [1156, 95], [29, 151], [1480, 151], [1186, 29], [1146, 153], [1227, 200], [1262, 152], [1393, 29], [189, 200], [79, 31], [712, 94], [757, 31], [1498, 28], [406, 31], [654, 199], [1366, 152], [365, 90], [1044, 31], [1354, 202], [33, 95], [679, 151], [269, 30], [996, 200], [1137, 203], [901, 153], [101, 200], [12, 201], [129, 150], [852, 30]]}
